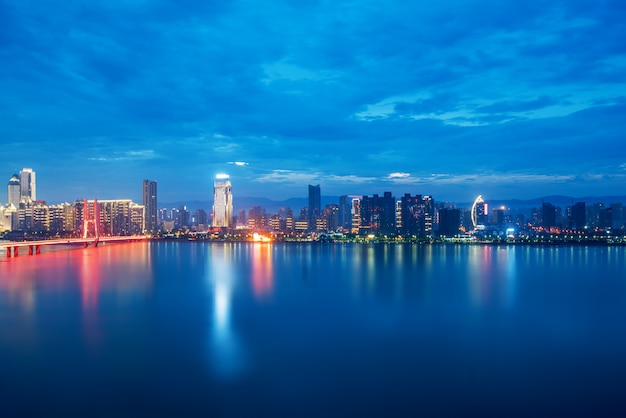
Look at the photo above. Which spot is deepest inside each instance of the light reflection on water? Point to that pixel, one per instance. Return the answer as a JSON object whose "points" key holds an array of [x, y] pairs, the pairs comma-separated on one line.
{"points": [[225, 355], [308, 329]]}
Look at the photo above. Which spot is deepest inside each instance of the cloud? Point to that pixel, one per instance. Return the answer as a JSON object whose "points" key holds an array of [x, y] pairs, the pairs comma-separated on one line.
{"points": [[398, 175], [139, 155], [330, 92], [301, 178]]}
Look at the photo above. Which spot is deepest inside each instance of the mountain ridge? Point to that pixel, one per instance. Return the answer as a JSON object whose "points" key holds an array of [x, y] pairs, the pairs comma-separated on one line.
{"points": [[296, 203]]}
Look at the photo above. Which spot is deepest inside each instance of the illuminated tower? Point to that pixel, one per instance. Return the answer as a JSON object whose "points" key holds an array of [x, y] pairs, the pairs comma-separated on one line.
{"points": [[28, 190], [14, 191], [222, 201], [479, 213], [149, 193]]}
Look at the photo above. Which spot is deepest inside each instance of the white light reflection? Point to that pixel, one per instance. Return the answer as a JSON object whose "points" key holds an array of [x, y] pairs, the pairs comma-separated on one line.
{"points": [[226, 354]]}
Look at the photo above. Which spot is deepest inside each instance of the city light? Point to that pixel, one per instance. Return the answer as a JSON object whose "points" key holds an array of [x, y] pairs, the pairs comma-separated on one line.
{"points": [[256, 237]]}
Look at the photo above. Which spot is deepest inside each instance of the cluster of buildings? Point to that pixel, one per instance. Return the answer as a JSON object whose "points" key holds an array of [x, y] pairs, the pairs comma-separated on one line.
{"points": [[24, 213], [418, 216], [409, 216]]}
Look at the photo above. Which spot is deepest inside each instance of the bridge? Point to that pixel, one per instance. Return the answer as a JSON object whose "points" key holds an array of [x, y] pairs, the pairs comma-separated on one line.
{"points": [[91, 235], [34, 247]]}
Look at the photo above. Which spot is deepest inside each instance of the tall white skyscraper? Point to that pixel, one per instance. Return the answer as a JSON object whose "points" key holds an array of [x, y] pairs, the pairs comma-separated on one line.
{"points": [[222, 201], [14, 191], [28, 189]]}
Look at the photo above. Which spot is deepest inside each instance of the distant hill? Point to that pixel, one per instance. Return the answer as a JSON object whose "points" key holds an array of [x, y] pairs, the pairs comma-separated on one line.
{"points": [[245, 203], [297, 203], [556, 200]]}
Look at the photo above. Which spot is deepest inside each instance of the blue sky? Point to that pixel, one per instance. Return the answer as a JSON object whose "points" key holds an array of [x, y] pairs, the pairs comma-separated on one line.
{"points": [[450, 98]]}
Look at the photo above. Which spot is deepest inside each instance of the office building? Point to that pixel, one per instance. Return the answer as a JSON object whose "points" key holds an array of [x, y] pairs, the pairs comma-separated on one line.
{"points": [[479, 213], [28, 188], [417, 215], [257, 218], [345, 215], [579, 216], [378, 214], [149, 194], [14, 191], [222, 202], [449, 222], [548, 215], [315, 203], [497, 217]]}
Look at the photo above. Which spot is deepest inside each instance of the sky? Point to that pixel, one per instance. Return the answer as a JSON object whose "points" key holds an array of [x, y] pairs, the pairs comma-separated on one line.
{"points": [[449, 98]]}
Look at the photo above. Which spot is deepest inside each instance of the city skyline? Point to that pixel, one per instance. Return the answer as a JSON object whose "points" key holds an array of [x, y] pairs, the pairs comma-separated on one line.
{"points": [[409, 216], [454, 99], [147, 196]]}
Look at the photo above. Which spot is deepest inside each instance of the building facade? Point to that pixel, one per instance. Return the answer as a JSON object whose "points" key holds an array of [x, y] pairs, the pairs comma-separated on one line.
{"points": [[149, 195], [314, 208], [222, 202], [28, 185], [14, 191]]}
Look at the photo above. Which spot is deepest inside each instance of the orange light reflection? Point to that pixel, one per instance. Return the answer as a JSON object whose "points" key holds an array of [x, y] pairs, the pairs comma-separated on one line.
{"points": [[262, 271]]}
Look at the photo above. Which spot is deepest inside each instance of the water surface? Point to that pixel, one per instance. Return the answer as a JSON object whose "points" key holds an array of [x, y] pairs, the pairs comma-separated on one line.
{"points": [[242, 329]]}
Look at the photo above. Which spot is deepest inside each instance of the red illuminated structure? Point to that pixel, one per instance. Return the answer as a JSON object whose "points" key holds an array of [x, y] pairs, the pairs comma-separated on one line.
{"points": [[91, 235], [91, 219]]}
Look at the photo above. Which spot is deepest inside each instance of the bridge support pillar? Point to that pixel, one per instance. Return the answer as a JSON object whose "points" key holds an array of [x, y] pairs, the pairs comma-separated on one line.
{"points": [[84, 244], [30, 250], [37, 249], [8, 254], [16, 251]]}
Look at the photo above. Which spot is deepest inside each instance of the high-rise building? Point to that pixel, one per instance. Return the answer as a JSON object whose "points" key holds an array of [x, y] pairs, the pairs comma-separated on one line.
{"points": [[113, 217], [345, 217], [579, 216], [149, 194], [617, 211], [222, 202], [480, 213], [331, 216], [378, 214], [28, 189], [257, 218], [548, 215], [417, 215], [497, 217], [14, 191], [315, 203], [241, 218], [200, 218], [356, 215], [449, 222], [429, 214]]}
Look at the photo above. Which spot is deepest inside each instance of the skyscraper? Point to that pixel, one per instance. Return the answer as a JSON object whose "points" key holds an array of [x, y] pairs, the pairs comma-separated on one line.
{"points": [[417, 215], [315, 203], [548, 212], [222, 201], [14, 191], [345, 217], [28, 190], [449, 222], [149, 193], [579, 217]]}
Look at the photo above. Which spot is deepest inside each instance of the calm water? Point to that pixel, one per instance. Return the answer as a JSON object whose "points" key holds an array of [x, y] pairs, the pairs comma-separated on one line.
{"points": [[212, 329]]}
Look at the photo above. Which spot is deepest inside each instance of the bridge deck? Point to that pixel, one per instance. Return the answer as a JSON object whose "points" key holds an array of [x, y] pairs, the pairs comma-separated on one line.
{"points": [[34, 247]]}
